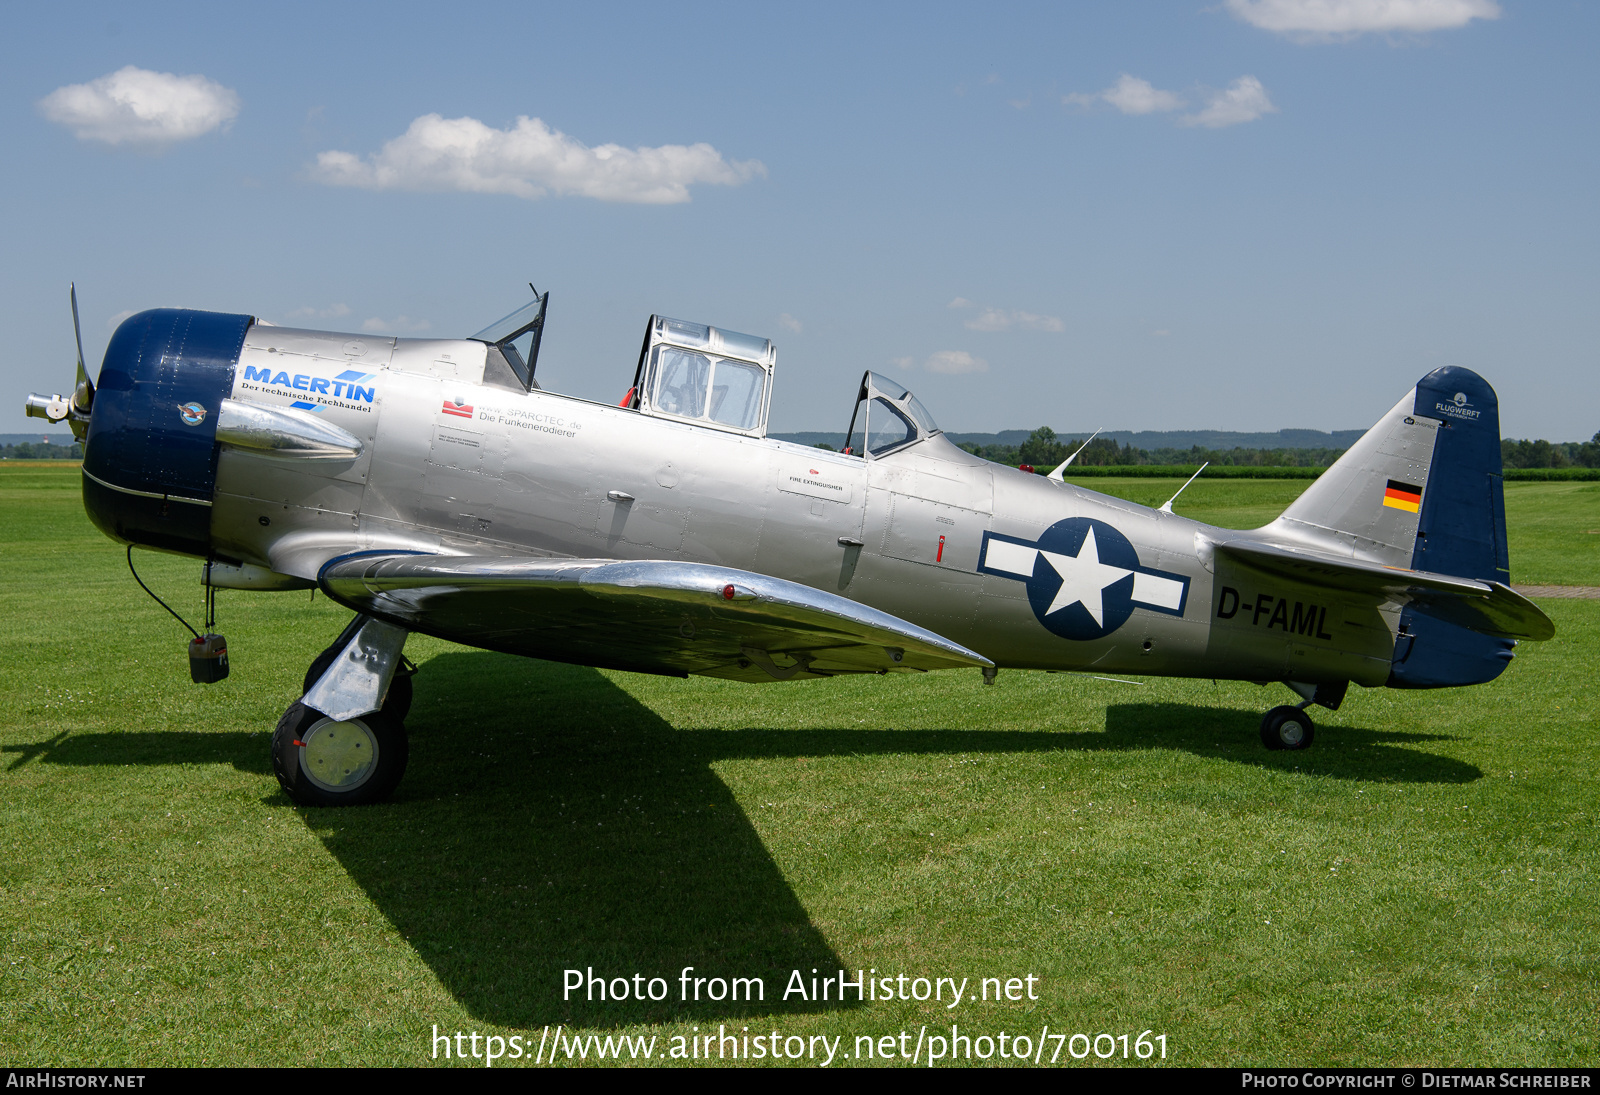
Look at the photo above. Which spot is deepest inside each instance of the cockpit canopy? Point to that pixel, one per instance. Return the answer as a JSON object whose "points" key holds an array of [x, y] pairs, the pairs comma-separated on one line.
{"points": [[889, 417], [708, 376], [704, 375]]}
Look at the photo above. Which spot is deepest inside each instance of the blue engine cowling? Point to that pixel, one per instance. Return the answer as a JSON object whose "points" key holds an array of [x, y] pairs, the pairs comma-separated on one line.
{"points": [[150, 458]]}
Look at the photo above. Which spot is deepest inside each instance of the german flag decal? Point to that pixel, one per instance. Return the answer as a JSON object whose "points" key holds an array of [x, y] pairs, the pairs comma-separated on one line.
{"points": [[1403, 496]]}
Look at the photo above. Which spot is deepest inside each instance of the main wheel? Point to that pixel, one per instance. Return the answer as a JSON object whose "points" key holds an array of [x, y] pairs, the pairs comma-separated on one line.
{"points": [[325, 762], [1286, 728]]}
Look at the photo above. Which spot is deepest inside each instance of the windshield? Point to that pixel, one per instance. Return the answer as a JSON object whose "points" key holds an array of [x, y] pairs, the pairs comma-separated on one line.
{"points": [[887, 427], [514, 340], [917, 411], [902, 397], [889, 416], [516, 321]]}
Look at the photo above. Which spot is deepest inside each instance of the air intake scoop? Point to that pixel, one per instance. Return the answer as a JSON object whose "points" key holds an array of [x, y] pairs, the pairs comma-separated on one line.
{"points": [[280, 431]]}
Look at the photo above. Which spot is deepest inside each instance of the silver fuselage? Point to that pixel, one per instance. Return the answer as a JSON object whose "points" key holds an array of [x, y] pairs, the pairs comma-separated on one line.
{"points": [[539, 474]]}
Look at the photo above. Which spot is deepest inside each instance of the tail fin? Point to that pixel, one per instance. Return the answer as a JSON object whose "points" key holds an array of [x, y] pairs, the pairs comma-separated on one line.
{"points": [[1423, 490]]}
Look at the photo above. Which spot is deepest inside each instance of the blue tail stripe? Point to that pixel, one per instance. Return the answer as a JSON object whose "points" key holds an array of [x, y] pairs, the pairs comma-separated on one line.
{"points": [[1460, 531], [1464, 503]]}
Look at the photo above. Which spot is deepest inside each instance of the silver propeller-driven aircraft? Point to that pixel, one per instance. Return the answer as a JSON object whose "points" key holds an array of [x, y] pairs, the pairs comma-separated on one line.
{"points": [[431, 485]]}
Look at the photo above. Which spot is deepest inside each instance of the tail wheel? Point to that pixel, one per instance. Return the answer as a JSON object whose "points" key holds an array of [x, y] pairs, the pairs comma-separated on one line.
{"points": [[332, 762], [1286, 728]]}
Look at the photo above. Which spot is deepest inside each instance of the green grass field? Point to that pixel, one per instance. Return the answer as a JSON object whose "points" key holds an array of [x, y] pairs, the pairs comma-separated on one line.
{"points": [[1419, 888]]}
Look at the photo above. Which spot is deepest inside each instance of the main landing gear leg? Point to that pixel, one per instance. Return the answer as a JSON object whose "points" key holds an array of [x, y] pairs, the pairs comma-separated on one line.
{"points": [[1288, 726], [344, 742]]}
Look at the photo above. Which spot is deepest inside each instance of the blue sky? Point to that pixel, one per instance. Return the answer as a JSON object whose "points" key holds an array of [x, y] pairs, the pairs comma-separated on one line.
{"points": [[1251, 214]]}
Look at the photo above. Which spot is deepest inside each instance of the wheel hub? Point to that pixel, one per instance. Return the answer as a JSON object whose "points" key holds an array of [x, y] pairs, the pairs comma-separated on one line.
{"points": [[338, 756], [1291, 733]]}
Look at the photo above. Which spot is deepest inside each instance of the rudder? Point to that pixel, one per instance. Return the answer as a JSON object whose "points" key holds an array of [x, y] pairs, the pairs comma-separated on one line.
{"points": [[1462, 531], [1463, 520]]}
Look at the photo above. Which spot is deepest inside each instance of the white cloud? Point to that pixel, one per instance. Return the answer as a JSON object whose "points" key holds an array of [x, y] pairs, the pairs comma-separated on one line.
{"points": [[400, 324], [308, 312], [1244, 101], [959, 302], [135, 106], [998, 319], [789, 323], [530, 160], [955, 361], [990, 319], [1334, 20], [1132, 95], [903, 362]]}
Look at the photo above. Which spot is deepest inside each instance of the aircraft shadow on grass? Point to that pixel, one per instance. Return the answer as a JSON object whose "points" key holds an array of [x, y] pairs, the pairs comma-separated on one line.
{"points": [[1338, 752], [1230, 734], [549, 821]]}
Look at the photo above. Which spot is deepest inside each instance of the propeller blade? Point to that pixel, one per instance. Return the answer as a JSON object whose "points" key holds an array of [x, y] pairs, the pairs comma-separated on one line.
{"points": [[83, 388]]}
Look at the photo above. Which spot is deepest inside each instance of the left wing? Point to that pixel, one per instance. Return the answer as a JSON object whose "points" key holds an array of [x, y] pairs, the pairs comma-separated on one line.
{"points": [[652, 617]]}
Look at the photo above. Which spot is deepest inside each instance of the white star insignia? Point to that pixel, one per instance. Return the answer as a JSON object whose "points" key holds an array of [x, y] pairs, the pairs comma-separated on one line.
{"points": [[1084, 579]]}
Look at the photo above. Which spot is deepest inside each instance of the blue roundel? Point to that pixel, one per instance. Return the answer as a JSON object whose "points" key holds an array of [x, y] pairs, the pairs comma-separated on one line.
{"points": [[1082, 584]]}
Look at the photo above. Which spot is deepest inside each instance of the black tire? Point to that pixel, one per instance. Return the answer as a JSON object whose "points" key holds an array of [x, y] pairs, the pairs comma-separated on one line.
{"points": [[397, 704], [1287, 728], [322, 762]]}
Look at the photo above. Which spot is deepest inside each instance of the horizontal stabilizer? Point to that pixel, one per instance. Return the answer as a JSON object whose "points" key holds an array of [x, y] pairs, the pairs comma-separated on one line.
{"points": [[653, 616], [1485, 606]]}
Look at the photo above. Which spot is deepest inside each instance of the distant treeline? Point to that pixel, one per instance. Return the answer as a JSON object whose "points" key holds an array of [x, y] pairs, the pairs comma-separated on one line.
{"points": [[1551, 454], [1044, 450], [40, 450]]}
